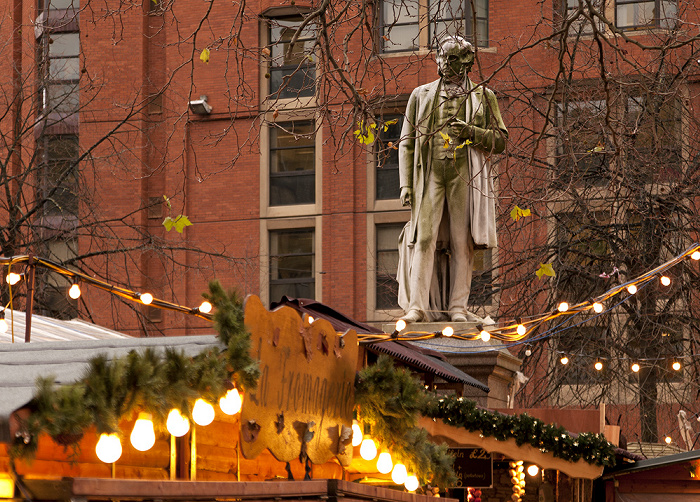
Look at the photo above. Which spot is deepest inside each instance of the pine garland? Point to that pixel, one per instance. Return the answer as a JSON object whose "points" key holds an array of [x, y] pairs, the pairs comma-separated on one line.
{"points": [[524, 429], [391, 401], [114, 388]]}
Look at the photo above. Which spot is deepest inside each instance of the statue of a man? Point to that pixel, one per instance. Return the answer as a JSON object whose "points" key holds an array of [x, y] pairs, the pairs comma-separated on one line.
{"points": [[451, 129]]}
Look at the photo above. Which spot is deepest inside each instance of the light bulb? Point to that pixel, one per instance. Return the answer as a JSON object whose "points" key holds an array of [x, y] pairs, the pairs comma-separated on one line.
{"points": [[563, 307], [356, 433], [399, 474], [411, 483], [597, 307], [528, 352], [564, 360], [533, 470], [176, 424], [13, 278], [598, 365], [668, 439], [311, 319], [143, 437], [631, 289], [485, 335], [3, 326], [146, 298], [696, 255], [368, 450], [203, 412], [231, 403], [448, 331], [635, 367], [108, 448], [205, 307], [665, 280], [400, 325], [384, 463], [676, 366], [74, 291], [521, 330]]}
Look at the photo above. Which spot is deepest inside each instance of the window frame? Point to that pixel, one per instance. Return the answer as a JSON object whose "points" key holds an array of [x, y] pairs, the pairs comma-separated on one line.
{"points": [[292, 224], [425, 27], [655, 23]]}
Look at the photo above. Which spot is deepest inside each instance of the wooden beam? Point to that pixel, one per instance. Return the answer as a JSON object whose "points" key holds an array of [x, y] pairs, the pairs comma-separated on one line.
{"points": [[459, 436]]}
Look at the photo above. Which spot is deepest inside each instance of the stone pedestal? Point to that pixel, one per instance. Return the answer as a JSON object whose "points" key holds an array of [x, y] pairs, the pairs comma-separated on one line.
{"points": [[489, 362]]}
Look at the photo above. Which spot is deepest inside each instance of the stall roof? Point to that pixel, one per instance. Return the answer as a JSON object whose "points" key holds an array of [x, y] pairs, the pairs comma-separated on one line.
{"points": [[22, 363], [652, 463], [48, 329]]}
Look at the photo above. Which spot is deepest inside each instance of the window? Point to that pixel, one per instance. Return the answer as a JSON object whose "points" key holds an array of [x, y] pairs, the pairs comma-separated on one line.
{"points": [[292, 73], [581, 143], [456, 17], [387, 264], [292, 264], [60, 72], [580, 24], [60, 175], [653, 136], [403, 21], [387, 170], [58, 4], [636, 14], [292, 163]]}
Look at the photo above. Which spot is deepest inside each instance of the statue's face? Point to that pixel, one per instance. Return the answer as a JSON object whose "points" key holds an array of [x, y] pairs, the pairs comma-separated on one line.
{"points": [[457, 61]]}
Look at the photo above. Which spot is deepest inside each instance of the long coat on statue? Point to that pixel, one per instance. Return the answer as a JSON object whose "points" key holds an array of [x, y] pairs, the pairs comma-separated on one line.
{"points": [[415, 164]]}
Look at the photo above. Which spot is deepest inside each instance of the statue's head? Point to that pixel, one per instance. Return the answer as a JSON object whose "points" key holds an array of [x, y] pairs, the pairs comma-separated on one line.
{"points": [[455, 57]]}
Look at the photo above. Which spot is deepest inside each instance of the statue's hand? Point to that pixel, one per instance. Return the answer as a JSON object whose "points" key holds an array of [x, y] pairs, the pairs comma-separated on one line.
{"points": [[406, 196]]}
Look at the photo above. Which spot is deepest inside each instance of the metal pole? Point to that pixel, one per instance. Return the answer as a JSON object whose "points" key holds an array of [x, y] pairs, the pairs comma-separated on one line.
{"points": [[30, 299]]}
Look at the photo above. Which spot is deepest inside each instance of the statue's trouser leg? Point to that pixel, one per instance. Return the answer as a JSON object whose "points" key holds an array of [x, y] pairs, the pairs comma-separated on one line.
{"points": [[461, 244], [427, 226]]}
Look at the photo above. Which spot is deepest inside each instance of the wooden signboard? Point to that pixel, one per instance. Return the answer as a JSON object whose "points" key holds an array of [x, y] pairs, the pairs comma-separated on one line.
{"points": [[474, 467], [305, 397]]}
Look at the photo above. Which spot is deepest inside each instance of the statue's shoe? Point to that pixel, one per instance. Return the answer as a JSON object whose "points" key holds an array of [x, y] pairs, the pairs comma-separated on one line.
{"points": [[413, 316], [458, 317]]}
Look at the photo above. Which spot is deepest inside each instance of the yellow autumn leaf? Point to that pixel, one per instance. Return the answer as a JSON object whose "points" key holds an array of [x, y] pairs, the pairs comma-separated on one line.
{"points": [[545, 269], [462, 145], [447, 139], [204, 56], [516, 213], [365, 134]]}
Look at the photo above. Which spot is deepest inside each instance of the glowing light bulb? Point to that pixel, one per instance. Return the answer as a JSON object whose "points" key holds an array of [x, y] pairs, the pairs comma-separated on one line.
{"points": [[205, 307], [598, 365], [3, 325], [411, 483], [521, 330], [74, 291], [533, 470], [668, 439], [597, 307], [676, 366], [356, 433], [146, 298], [108, 448], [400, 325], [485, 335], [399, 474], [203, 412], [176, 424], [635, 368], [311, 319], [13, 278], [368, 450], [231, 403], [563, 307], [448, 331], [384, 463], [696, 255], [564, 360], [528, 352], [143, 437], [631, 289], [665, 280]]}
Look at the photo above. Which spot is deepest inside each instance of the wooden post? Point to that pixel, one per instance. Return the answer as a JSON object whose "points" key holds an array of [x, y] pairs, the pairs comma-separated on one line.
{"points": [[30, 299], [173, 458]]}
